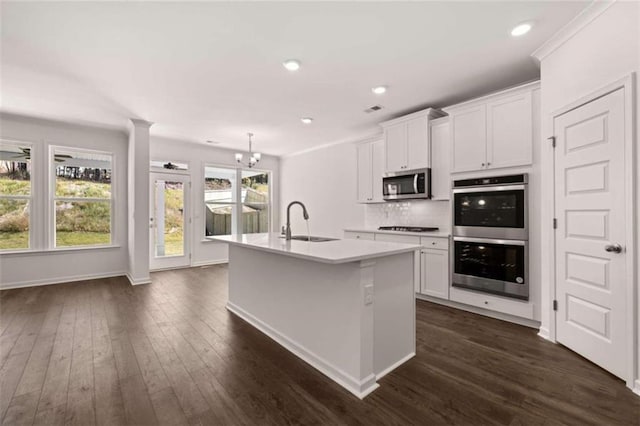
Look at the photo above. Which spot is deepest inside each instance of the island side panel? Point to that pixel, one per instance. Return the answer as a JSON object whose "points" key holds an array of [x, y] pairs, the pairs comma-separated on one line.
{"points": [[315, 310], [394, 312]]}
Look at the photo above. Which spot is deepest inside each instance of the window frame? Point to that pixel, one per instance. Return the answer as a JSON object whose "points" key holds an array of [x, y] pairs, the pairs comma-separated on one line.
{"points": [[236, 218], [33, 175], [52, 199]]}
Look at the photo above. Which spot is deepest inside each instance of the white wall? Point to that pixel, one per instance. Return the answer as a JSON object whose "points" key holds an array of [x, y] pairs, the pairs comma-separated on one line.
{"points": [[602, 52], [43, 267], [197, 156], [325, 181]]}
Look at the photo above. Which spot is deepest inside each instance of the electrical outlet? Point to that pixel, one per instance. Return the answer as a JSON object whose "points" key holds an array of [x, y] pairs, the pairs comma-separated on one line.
{"points": [[368, 294]]}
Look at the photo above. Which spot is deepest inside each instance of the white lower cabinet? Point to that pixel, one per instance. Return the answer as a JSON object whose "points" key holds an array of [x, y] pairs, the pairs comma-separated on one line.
{"points": [[434, 268], [432, 263], [359, 235], [513, 307]]}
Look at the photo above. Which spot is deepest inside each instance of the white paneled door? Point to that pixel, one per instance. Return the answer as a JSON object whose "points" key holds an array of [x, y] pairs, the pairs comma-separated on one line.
{"points": [[169, 221], [591, 231]]}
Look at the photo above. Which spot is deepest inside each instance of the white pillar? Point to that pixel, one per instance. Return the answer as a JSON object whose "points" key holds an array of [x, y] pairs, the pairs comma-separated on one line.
{"points": [[138, 207]]}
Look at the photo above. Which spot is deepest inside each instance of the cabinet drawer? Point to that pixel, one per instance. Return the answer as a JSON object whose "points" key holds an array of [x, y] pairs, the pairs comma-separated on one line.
{"points": [[392, 238], [435, 243], [359, 235], [493, 303]]}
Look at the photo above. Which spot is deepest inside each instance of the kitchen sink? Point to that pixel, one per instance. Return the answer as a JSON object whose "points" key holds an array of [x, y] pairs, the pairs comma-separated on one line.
{"points": [[312, 238]]}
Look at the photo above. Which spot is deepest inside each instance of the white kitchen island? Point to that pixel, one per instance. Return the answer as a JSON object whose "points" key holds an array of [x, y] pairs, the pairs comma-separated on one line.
{"points": [[346, 307]]}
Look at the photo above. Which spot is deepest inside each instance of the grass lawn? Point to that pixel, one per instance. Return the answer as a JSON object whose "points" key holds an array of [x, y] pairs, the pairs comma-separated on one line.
{"points": [[14, 240], [20, 240]]}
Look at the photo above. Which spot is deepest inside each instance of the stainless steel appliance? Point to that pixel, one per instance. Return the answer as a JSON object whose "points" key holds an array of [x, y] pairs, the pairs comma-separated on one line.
{"points": [[492, 266], [490, 235], [492, 207], [406, 185]]}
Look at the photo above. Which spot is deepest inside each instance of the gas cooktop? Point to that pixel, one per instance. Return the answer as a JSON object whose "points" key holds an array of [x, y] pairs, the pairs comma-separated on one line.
{"points": [[407, 228]]}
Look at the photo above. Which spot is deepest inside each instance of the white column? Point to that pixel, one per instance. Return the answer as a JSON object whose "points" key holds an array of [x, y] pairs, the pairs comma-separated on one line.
{"points": [[138, 207]]}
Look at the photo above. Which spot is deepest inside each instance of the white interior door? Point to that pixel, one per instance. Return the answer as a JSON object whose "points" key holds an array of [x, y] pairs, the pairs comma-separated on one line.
{"points": [[170, 220], [591, 232]]}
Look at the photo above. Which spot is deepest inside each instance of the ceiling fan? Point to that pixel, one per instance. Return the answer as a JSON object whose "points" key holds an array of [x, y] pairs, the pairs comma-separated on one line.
{"points": [[26, 154]]}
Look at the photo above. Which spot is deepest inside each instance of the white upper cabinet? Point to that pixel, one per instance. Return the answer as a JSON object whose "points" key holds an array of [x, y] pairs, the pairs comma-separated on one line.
{"points": [[440, 159], [494, 131], [469, 139], [418, 144], [510, 131], [370, 159], [406, 141], [396, 147]]}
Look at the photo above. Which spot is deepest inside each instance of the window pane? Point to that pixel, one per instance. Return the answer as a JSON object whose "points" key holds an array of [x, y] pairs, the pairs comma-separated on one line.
{"points": [[255, 202], [83, 223], [15, 169], [169, 217], [219, 199], [14, 224], [82, 175], [218, 219]]}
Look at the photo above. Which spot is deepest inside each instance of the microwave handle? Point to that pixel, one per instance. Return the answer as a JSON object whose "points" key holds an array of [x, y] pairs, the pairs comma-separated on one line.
{"points": [[415, 183]]}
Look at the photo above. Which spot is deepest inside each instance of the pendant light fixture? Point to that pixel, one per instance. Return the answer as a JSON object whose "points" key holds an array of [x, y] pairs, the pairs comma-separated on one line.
{"points": [[254, 157]]}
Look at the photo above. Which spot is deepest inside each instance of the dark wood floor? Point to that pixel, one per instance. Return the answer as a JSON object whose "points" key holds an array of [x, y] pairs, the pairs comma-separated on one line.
{"points": [[105, 352]]}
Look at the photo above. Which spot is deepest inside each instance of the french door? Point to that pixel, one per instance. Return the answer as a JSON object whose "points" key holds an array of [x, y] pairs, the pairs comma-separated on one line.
{"points": [[169, 221], [590, 205]]}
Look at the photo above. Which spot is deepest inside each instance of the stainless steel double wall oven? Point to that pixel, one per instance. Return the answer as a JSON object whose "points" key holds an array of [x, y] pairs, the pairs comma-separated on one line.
{"points": [[491, 236]]}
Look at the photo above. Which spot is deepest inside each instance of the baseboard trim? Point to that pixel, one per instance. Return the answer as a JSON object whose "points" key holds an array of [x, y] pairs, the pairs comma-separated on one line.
{"points": [[636, 387], [545, 334], [139, 281], [359, 388], [61, 280], [395, 365], [487, 313], [209, 262]]}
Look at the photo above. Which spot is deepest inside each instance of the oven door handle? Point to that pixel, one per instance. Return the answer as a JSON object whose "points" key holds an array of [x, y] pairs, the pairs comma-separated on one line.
{"points": [[491, 241], [415, 183], [489, 189]]}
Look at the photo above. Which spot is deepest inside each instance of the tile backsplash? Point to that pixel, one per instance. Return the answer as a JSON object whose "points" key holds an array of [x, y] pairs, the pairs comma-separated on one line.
{"points": [[409, 213]]}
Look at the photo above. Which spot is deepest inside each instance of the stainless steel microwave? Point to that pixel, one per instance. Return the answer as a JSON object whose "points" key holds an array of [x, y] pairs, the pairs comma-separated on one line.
{"points": [[406, 185]]}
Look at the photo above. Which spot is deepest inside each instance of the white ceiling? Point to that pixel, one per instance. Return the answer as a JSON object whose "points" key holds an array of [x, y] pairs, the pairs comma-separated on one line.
{"points": [[213, 70]]}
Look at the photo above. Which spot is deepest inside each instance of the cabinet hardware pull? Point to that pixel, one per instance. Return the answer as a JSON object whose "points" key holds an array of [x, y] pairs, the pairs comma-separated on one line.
{"points": [[482, 164]]}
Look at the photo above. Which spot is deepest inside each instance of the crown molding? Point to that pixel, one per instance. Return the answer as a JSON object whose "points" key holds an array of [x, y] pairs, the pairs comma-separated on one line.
{"points": [[584, 18]]}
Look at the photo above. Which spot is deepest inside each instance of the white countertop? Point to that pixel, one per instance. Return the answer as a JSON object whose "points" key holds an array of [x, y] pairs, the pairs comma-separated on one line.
{"points": [[436, 234], [338, 251]]}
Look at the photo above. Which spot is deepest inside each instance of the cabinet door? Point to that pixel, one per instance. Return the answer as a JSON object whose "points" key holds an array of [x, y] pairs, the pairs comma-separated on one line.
{"points": [[469, 139], [435, 273], [377, 169], [395, 138], [418, 143], [365, 190], [440, 161], [510, 131]]}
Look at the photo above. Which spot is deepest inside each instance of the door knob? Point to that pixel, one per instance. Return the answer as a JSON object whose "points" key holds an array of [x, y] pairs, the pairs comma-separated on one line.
{"points": [[613, 248]]}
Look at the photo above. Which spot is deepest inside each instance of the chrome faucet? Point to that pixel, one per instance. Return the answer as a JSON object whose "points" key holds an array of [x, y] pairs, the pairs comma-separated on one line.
{"points": [[304, 213]]}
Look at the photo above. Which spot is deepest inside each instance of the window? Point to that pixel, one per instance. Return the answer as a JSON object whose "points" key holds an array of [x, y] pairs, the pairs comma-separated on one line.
{"points": [[15, 195], [219, 200], [255, 201], [224, 200], [82, 201]]}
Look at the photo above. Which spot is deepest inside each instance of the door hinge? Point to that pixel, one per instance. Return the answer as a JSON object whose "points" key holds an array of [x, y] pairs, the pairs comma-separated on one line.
{"points": [[553, 141], [555, 305], [555, 223]]}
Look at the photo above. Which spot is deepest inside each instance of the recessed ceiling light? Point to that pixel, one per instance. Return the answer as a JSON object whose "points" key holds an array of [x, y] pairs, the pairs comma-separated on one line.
{"points": [[291, 64], [521, 29], [379, 90], [306, 120]]}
